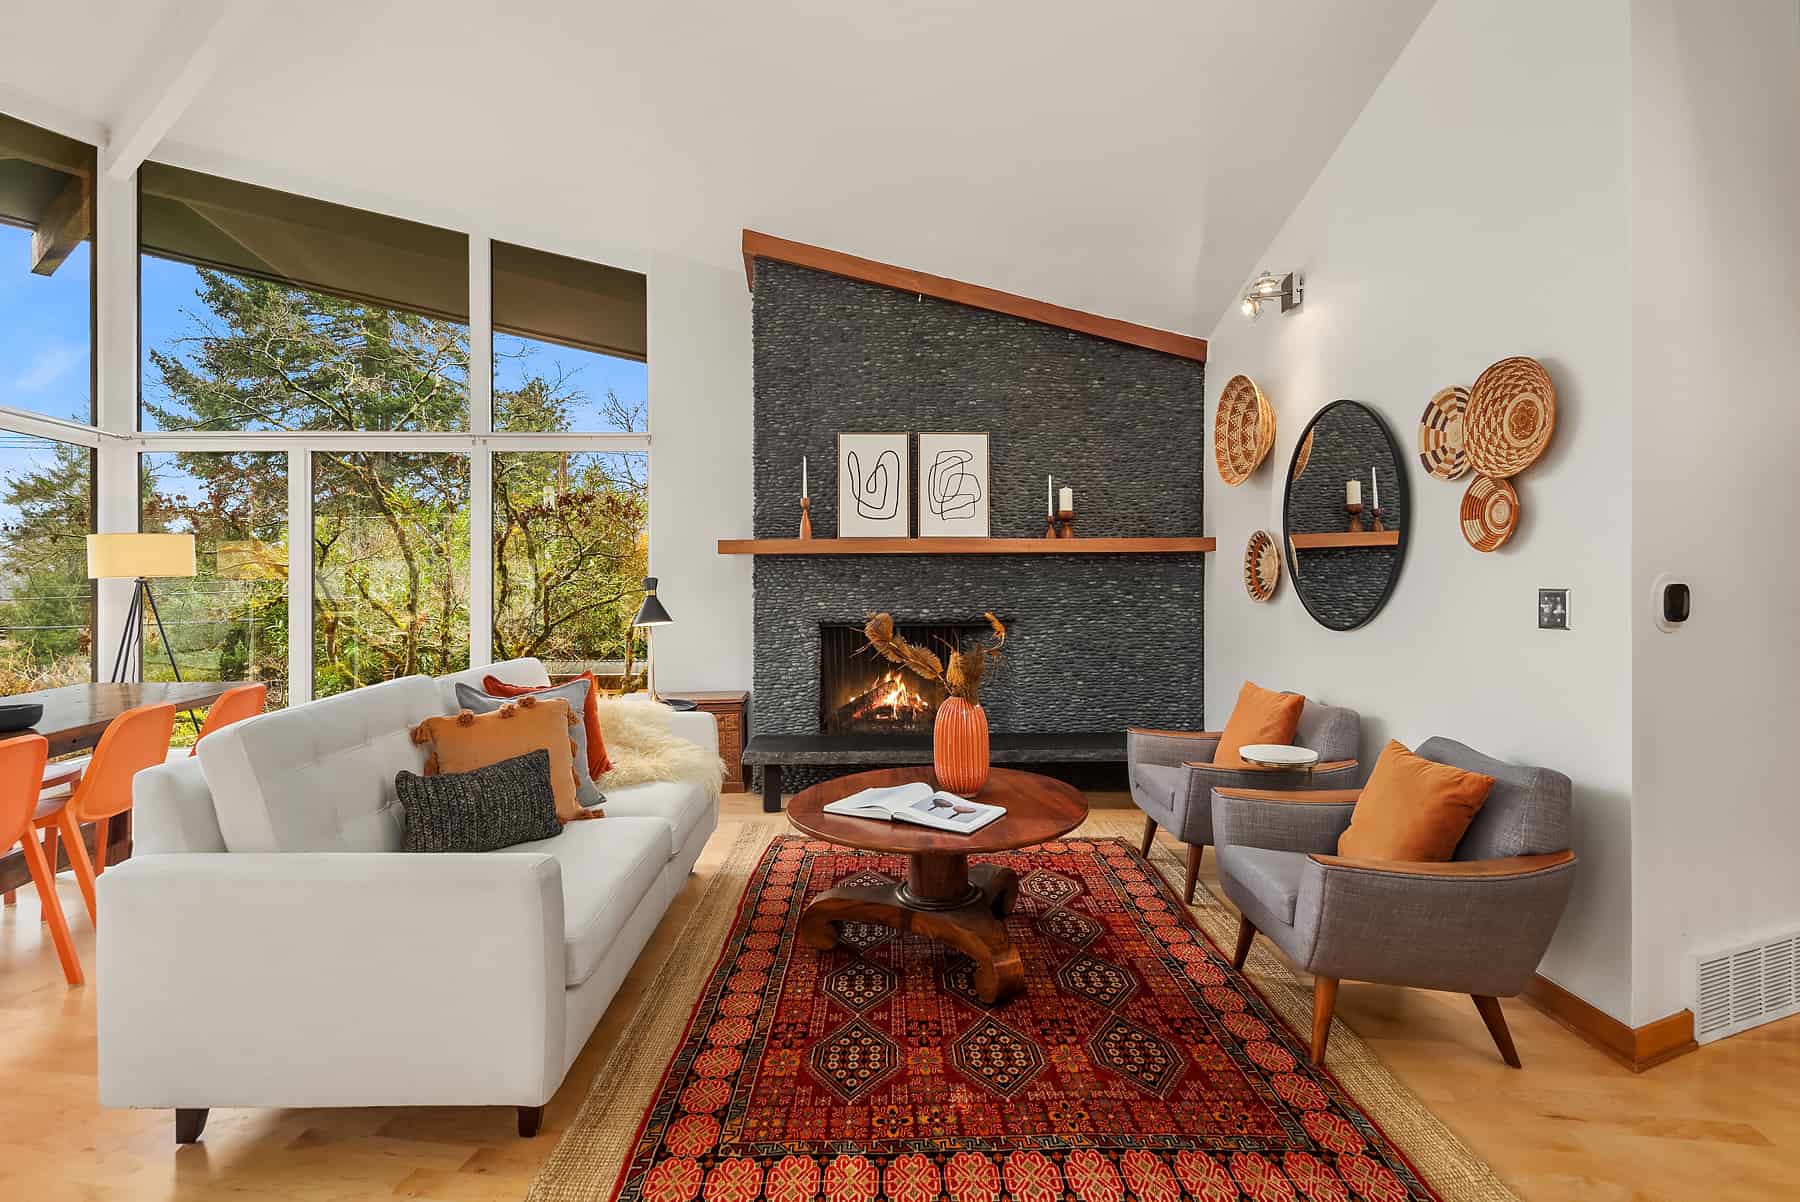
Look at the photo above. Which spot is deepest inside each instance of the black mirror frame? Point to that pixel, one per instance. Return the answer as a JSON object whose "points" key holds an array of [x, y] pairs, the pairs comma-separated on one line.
{"points": [[1406, 511]]}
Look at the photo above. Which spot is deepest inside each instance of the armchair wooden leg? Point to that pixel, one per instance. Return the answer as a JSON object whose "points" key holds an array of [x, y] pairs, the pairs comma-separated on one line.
{"points": [[1246, 934], [530, 1119], [1194, 852], [1149, 836], [1324, 1002], [189, 1124], [1496, 1025]]}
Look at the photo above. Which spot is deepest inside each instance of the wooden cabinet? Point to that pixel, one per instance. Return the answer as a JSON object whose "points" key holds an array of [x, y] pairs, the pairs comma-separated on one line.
{"points": [[731, 709]]}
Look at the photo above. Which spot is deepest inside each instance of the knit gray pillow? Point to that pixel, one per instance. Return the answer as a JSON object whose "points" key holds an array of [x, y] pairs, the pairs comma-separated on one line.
{"points": [[587, 793], [484, 810]]}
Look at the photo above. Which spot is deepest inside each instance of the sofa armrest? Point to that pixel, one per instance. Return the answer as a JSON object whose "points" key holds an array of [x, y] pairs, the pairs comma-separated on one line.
{"points": [[696, 726], [331, 979], [1477, 927], [1169, 748], [1305, 820]]}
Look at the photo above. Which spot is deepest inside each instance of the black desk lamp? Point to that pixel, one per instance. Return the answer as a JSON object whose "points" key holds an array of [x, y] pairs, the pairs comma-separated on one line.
{"points": [[650, 615]]}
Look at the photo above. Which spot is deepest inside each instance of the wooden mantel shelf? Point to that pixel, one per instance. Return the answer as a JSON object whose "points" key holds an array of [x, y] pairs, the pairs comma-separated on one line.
{"points": [[1360, 538], [965, 546], [782, 250]]}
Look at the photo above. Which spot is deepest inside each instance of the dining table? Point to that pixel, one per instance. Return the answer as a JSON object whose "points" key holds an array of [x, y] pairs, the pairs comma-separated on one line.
{"points": [[75, 716]]}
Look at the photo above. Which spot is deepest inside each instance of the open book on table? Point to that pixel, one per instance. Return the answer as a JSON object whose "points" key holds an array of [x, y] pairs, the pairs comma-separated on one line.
{"points": [[918, 803]]}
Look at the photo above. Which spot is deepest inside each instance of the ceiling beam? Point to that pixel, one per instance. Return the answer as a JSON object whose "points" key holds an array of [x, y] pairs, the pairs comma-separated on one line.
{"points": [[180, 67], [64, 225]]}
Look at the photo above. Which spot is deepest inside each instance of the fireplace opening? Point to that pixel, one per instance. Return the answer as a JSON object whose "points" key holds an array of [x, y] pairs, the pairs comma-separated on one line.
{"points": [[860, 693]]}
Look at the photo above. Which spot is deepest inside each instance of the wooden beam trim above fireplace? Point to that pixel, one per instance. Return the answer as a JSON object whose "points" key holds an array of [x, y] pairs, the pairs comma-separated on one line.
{"points": [[966, 546], [783, 250]]}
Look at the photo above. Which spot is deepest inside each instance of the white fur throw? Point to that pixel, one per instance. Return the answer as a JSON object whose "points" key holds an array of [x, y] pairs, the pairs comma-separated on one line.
{"points": [[641, 748]]}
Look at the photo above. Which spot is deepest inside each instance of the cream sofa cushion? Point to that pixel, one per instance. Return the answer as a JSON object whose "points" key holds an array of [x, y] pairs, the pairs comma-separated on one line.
{"points": [[320, 776], [608, 866]]}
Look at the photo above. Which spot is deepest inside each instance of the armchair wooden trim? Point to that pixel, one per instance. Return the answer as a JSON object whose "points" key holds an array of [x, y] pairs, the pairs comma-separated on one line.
{"points": [[1461, 869], [1311, 797], [1327, 766]]}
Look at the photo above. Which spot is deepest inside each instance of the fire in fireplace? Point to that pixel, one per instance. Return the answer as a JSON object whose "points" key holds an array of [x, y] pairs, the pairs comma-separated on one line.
{"points": [[861, 693]]}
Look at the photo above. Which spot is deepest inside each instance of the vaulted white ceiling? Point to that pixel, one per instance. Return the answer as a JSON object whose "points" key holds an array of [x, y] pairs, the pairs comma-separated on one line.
{"points": [[1131, 158]]}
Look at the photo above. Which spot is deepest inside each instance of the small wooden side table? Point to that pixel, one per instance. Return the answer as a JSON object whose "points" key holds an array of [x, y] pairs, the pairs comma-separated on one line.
{"points": [[730, 708]]}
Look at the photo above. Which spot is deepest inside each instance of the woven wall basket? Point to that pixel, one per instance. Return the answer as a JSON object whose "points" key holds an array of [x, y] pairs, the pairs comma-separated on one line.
{"points": [[1490, 513], [1441, 447], [1511, 414], [1243, 429], [1262, 566]]}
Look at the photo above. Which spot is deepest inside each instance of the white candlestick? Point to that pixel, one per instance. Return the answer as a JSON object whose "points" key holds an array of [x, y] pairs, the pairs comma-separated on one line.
{"points": [[1049, 496], [803, 492], [1377, 481], [1353, 492], [1066, 499]]}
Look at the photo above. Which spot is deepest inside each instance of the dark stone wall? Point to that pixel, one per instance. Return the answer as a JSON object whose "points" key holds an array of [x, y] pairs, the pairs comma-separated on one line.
{"points": [[1098, 642]]}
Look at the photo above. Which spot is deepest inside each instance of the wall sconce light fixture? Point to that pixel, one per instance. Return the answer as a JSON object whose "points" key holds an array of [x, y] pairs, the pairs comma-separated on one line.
{"points": [[1270, 287]]}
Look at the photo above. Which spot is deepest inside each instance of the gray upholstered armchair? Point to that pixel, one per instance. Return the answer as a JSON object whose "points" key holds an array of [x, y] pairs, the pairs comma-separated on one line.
{"points": [[1478, 924], [1172, 774]]}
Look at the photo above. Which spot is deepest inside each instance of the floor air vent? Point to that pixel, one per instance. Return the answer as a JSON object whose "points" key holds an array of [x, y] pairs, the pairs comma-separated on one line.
{"points": [[1745, 987]]}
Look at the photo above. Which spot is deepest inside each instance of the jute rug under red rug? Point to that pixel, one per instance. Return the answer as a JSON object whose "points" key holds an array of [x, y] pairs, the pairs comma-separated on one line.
{"points": [[1136, 1064]]}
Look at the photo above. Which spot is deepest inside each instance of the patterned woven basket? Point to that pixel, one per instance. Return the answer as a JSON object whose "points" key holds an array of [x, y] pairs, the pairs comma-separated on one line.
{"points": [[1490, 513], [1243, 429], [1441, 447], [1262, 566], [1511, 414]]}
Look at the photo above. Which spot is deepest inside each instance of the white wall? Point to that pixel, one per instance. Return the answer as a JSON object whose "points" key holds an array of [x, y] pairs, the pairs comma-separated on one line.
{"points": [[1476, 209], [1716, 198]]}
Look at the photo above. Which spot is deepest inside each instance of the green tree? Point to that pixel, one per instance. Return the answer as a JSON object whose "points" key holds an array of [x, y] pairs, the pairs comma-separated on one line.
{"points": [[46, 634]]}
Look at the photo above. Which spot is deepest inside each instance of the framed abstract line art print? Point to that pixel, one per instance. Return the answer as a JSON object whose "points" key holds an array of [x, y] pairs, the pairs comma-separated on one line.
{"points": [[953, 486], [872, 475]]}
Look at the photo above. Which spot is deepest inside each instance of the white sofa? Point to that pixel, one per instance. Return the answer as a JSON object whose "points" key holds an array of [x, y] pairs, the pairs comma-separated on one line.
{"points": [[268, 944]]}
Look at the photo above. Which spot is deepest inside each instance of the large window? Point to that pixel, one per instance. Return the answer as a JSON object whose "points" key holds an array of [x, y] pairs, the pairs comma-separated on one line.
{"points": [[46, 601], [390, 567], [267, 311], [230, 622], [378, 483], [46, 272], [568, 556]]}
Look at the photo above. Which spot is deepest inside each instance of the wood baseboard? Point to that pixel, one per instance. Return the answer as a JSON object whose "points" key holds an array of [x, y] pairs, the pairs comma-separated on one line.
{"points": [[1637, 1048]]}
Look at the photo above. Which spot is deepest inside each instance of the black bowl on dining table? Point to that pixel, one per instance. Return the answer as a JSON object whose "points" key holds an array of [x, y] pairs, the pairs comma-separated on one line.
{"points": [[20, 716]]}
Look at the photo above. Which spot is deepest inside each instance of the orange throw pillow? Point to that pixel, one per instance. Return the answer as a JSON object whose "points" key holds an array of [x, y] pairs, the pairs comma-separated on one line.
{"points": [[466, 741], [1413, 809], [598, 760], [1258, 717]]}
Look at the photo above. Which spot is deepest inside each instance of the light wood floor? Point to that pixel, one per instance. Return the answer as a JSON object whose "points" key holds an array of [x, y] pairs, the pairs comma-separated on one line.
{"points": [[1720, 1125]]}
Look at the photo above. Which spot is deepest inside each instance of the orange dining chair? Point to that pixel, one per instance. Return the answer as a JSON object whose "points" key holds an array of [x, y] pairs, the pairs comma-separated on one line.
{"points": [[234, 705], [21, 776], [137, 739]]}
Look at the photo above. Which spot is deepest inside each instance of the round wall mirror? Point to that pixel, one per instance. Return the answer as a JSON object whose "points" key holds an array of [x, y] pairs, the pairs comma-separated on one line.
{"points": [[1343, 556]]}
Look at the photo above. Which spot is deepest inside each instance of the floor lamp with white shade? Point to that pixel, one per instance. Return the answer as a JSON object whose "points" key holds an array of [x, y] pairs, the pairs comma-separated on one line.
{"points": [[140, 558]]}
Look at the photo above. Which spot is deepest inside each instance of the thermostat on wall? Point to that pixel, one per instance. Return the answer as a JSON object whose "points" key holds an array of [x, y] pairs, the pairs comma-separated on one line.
{"points": [[1671, 601]]}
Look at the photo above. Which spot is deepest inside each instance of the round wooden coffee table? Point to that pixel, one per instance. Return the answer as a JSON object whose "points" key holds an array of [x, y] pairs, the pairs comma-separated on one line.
{"points": [[943, 897]]}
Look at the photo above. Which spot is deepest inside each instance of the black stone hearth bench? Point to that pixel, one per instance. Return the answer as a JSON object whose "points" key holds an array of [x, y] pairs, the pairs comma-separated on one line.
{"points": [[774, 752]]}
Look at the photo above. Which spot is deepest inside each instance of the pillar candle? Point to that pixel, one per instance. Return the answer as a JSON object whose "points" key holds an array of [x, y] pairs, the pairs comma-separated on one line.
{"points": [[1066, 499], [1353, 492]]}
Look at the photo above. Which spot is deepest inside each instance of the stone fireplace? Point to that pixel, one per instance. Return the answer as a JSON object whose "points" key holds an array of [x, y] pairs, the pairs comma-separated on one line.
{"points": [[1096, 642]]}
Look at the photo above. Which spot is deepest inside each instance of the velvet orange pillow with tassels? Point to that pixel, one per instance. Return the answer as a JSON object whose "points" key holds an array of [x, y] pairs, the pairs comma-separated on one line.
{"points": [[465, 741]]}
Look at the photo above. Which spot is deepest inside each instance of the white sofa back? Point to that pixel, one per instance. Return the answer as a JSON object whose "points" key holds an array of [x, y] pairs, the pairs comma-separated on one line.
{"points": [[316, 777]]}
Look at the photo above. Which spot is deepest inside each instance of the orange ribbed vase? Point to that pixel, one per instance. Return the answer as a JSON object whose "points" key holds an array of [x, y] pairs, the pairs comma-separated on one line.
{"points": [[959, 746]]}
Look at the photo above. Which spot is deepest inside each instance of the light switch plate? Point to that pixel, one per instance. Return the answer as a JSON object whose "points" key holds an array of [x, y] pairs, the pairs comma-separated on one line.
{"points": [[1553, 609]]}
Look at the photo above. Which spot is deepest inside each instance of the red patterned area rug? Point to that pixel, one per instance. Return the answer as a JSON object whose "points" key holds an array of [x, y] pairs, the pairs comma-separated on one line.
{"points": [[1136, 1064]]}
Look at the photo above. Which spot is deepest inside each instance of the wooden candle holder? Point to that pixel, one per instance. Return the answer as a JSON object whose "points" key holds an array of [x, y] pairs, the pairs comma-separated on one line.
{"points": [[1050, 530], [1065, 519], [805, 517], [1356, 522], [1377, 525]]}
